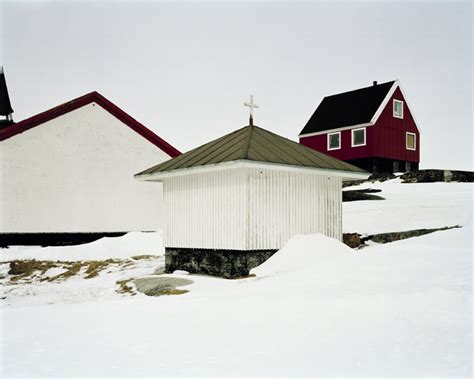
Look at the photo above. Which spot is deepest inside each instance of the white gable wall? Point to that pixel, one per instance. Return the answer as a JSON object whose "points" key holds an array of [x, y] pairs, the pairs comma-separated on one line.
{"points": [[250, 209], [75, 174]]}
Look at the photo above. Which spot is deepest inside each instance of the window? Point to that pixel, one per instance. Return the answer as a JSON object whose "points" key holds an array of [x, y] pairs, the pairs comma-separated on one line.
{"points": [[411, 141], [358, 137], [334, 141], [397, 108]]}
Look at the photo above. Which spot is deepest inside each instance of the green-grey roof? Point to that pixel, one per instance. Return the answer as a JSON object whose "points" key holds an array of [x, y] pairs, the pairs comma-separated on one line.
{"points": [[253, 144]]}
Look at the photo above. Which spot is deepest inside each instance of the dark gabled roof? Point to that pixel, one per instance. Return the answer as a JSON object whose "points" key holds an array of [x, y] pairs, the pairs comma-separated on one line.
{"points": [[348, 108], [5, 106], [253, 144], [97, 98]]}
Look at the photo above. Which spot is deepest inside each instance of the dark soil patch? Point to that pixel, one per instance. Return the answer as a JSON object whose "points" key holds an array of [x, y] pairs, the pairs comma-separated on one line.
{"points": [[124, 288], [21, 269], [25, 269]]}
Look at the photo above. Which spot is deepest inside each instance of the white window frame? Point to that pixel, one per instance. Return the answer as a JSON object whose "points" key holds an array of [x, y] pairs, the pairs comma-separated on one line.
{"points": [[402, 108], [414, 141], [352, 137], [328, 140]]}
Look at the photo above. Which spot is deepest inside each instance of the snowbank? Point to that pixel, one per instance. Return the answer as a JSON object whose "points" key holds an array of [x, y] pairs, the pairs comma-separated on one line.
{"points": [[302, 253], [131, 244]]}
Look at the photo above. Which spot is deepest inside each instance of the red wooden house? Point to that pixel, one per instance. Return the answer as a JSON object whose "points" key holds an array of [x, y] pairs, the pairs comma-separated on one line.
{"points": [[371, 127]]}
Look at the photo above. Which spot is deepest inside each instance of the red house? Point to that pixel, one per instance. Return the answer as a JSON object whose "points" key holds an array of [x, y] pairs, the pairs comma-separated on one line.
{"points": [[371, 127]]}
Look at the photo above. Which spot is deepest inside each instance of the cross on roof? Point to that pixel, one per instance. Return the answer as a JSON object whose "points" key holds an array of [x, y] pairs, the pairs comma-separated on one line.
{"points": [[251, 105]]}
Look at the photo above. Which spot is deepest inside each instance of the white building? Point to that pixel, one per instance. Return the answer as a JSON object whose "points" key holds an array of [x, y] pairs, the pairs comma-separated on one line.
{"points": [[233, 202], [69, 171]]}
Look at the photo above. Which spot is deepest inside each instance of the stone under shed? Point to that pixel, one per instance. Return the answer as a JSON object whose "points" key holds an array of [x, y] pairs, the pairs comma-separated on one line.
{"points": [[231, 203]]}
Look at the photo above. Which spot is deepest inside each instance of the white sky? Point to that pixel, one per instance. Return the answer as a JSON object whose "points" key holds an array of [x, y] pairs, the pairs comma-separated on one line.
{"points": [[185, 69]]}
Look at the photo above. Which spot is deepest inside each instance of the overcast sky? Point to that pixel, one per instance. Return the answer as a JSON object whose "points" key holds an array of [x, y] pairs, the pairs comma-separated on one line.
{"points": [[185, 69]]}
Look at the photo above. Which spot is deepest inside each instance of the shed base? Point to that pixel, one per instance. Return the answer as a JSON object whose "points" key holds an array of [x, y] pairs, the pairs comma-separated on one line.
{"points": [[225, 263]]}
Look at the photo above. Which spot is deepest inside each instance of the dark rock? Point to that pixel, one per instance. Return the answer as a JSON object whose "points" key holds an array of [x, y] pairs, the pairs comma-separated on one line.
{"points": [[352, 240], [225, 263], [350, 183], [395, 236], [431, 176], [380, 176], [363, 194], [153, 286]]}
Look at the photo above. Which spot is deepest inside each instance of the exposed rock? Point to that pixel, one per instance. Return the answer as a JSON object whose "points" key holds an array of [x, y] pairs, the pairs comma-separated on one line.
{"points": [[363, 194], [431, 176], [395, 236], [229, 264], [350, 183], [352, 240], [381, 176], [157, 286]]}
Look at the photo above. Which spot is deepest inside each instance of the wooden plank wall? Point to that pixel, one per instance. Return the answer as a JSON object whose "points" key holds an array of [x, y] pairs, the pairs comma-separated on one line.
{"points": [[250, 209]]}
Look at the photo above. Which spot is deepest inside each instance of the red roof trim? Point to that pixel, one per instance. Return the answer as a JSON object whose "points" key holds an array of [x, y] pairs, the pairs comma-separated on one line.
{"points": [[96, 97]]}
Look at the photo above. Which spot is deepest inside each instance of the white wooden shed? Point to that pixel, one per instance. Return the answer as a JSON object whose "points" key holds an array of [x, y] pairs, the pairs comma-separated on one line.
{"points": [[233, 202]]}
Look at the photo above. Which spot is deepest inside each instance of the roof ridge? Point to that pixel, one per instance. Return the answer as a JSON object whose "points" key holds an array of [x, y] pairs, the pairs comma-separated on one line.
{"points": [[250, 129], [361, 88], [79, 102]]}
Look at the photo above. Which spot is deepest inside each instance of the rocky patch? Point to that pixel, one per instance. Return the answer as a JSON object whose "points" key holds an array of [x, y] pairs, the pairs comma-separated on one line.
{"points": [[431, 176], [363, 194], [158, 286], [355, 240]]}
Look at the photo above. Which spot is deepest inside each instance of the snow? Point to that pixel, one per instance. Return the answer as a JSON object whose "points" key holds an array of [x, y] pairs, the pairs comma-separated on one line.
{"points": [[303, 253], [409, 206], [316, 308], [131, 244]]}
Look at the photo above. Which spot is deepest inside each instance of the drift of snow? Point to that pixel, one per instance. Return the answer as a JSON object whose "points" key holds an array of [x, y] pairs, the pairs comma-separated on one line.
{"points": [[303, 253], [131, 244]]}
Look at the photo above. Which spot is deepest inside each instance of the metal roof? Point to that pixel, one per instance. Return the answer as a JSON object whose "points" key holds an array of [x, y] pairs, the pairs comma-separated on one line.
{"points": [[255, 144]]}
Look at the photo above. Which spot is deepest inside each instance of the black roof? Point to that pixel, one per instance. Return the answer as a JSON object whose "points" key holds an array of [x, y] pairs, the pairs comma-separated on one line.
{"points": [[348, 108], [5, 106]]}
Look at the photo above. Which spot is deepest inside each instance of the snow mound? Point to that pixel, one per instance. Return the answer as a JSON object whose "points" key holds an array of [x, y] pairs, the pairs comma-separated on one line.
{"points": [[131, 244], [302, 253]]}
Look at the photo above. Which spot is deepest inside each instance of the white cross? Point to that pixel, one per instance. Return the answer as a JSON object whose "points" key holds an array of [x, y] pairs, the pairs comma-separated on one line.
{"points": [[251, 105]]}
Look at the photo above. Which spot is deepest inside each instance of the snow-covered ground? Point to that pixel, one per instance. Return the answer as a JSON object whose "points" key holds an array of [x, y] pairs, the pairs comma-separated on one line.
{"points": [[409, 206], [316, 308], [109, 247]]}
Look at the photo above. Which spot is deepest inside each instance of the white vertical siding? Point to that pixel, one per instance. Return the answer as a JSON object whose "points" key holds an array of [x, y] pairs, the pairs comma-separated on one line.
{"points": [[283, 204], [250, 209], [206, 210]]}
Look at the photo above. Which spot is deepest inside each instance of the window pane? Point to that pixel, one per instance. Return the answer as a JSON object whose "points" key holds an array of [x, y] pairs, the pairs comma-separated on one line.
{"points": [[359, 137], [410, 141], [333, 141], [397, 108]]}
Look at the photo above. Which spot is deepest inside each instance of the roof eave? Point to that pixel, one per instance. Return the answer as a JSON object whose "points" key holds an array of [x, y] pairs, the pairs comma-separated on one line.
{"points": [[335, 130], [243, 163]]}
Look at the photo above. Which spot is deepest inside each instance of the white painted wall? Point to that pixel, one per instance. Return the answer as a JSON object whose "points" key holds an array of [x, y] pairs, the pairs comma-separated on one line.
{"points": [[75, 174], [250, 209]]}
